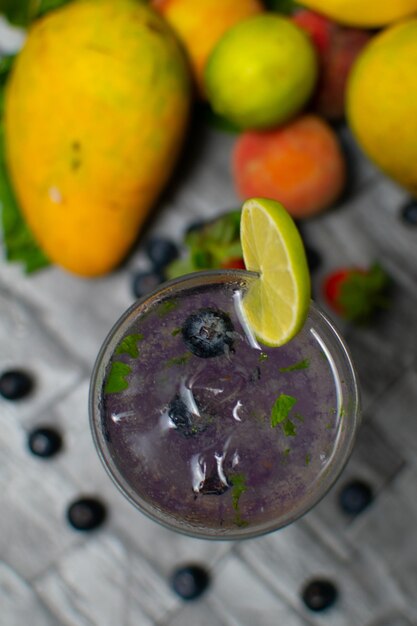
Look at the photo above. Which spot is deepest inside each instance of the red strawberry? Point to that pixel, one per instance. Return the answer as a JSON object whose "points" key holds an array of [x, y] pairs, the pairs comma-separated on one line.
{"points": [[236, 263], [357, 293]]}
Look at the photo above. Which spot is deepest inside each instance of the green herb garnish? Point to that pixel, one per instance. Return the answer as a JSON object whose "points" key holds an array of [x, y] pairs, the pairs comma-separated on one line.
{"points": [[238, 489], [178, 360], [23, 12], [209, 246], [262, 357], [281, 408], [176, 332], [308, 458], [166, 307], [289, 428], [129, 346], [301, 365], [116, 379]]}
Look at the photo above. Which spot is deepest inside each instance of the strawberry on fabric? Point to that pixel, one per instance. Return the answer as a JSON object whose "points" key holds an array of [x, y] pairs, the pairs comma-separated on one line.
{"points": [[356, 294]]}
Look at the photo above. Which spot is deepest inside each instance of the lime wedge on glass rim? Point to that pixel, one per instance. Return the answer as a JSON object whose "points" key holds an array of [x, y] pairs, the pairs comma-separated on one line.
{"points": [[277, 302]]}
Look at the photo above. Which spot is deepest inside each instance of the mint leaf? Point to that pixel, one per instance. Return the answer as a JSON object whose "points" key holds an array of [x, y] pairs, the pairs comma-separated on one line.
{"points": [[363, 293], [238, 488], [281, 408], [129, 345], [18, 241], [301, 365], [287, 7], [178, 360], [209, 246], [166, 307], [23, 12], [289, 428], [116, 379], [215, 120]]}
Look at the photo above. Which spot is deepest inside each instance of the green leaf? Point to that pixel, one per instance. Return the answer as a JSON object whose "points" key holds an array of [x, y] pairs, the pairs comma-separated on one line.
{"points": [[238, 489], [287, 7], [166, 307], [301, 365], [129, 345], [23, 12], [116, 379], [289, 428], [363, 293], [215, 120], [178, 360], [18, 241], [281, 408], [209, 246]]}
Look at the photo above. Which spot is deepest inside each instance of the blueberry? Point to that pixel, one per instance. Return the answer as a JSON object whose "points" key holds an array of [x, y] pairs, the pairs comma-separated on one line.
{"points": [[319, 594], [161, 251], [15, 384], [44, 442], [186, 422], [190, 581], [86, 513], [409, 213], [355, 497], [208, 333], [144, 282]]}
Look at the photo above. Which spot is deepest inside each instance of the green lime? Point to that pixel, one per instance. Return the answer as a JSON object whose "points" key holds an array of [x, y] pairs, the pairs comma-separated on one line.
{"points": [[261, 72], [276, 304]]}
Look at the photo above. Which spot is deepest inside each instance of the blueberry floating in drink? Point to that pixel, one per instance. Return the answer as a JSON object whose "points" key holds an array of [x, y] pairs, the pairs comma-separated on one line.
{"points": [[208, 333], [225, 404]]}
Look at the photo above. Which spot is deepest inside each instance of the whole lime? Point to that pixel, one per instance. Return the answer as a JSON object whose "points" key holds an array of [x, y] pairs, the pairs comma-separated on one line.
{"points": [[261, 72]]}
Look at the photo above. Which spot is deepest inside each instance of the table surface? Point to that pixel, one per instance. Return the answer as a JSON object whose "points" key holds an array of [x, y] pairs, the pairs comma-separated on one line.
{"points": [[53, 324]]}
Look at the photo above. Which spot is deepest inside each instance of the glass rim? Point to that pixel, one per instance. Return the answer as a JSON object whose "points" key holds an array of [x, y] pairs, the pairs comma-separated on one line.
{"points": [[95, 417]]}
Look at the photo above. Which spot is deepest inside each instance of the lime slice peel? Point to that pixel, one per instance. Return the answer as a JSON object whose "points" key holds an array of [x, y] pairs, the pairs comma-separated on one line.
{"points": [[276, 304]]}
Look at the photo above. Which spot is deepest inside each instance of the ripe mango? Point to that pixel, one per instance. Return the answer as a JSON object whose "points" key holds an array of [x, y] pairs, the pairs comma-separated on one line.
{"points": [[96, 109]]}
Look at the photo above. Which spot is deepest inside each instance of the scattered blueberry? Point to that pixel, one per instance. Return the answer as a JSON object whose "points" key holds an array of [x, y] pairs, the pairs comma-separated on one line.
{"points": [[208, 333], [161, 251], [186, 422], [144, 282], [44, 442], [409, 212], [86, 513], [190, 581], [319, 594], [15, 384], [355, 497]]}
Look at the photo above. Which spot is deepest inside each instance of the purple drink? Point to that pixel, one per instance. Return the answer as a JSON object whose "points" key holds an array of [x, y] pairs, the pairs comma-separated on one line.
{"points": [[210, 433]]}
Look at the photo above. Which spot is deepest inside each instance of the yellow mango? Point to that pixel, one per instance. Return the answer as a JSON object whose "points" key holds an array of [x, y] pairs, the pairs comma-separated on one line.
{"points": [[96, 109]]}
